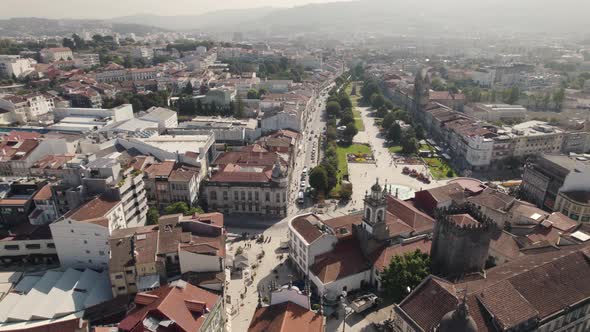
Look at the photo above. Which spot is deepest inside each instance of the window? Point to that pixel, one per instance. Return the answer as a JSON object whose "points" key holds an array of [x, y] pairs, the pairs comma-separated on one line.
{"points": [[132, 284], [119, 276], [256, 196], [249, 195], [100, 252], [214, 195], [278, 197], [88, 251], [235, 195], [33, 246], [243, 195], [225, 196], [129, 272], [284, 197], [51, 245], [121, 288], [12, 247], [21, 210], [85, 242]]}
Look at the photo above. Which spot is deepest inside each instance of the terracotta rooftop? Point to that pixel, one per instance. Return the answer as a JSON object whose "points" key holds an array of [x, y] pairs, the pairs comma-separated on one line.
{"points": [[43, 194], [17, 150], [181, 174], [94, 211], [561, 222], [419, 221], [529, 287], [493, 199], [344, 260], [286, 317], [506, 245], [185, 305], [381, 258], [342, 226], [162, 169], [53, 161], [304, 225]]}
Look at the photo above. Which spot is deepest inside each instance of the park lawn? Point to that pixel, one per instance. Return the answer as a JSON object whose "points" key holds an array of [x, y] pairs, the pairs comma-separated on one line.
{"points": [[395, 149], [439, 168], [358, 121], [427, 147], [341, 152], [355, 98]]}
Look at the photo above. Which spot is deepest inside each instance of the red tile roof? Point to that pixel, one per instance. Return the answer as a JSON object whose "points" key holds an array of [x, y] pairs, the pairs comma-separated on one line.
{"points": [[342, 226], [506, 246], [43, 194], [304, 225], [286, 317], [344, 260], [94, 211], [410, 215], [382, 258], [173, 303]]}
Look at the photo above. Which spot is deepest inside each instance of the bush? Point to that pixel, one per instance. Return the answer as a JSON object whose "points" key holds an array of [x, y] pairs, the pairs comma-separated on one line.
{"points": [[450, 173], [345, 192], [315, 307]]}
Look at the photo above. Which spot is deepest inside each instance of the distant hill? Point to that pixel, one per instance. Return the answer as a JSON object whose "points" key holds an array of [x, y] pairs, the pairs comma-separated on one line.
{"points": [[401, 16], [50, 27], [214, 20], [436, 16]]}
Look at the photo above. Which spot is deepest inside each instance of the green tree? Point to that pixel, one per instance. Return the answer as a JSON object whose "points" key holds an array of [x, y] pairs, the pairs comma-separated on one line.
{"points": [[181, 207], [67, 42], [404, 272], [318, 178], [344, 101], [389, 105], [395, 133], [388, 121], [370, 87], [438, 85], [253, 94], [346, 117], [188, 89], [512, 95], [409, 143], [239, 108], [152, 216], [381, 112], [558, 98], [333, 108], [79, 42], [353, 90], [350, 132], [377, 100]]}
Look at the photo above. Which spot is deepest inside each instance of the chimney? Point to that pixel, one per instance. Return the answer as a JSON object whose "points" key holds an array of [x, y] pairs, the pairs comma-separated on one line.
{"points": [[196, 307]]}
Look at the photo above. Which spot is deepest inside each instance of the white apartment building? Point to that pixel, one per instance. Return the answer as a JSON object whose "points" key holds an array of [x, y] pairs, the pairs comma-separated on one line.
{"points": [[497, 112], [119, 113], [535, 137], [26, 108], [484, 78], [15, 65], [56, 54], [86, 60], [308, 237], [81, 236], [142, 52], [105, 175]]}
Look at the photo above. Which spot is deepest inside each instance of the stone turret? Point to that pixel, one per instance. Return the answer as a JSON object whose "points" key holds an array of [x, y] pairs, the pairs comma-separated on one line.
{"points": [[279, 174], [373, 230], [461, 241]]}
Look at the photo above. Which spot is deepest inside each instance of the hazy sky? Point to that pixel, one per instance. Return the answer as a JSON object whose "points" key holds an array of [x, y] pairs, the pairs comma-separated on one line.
{"points": [[116, 8]]}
